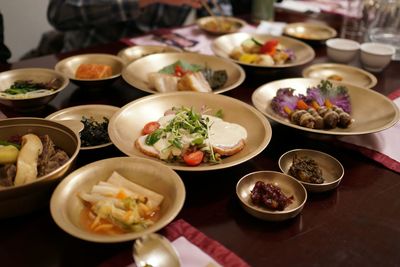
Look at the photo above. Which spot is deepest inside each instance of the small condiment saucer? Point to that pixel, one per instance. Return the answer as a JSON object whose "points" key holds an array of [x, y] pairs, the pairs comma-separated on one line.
{"points": [[341, 72]]}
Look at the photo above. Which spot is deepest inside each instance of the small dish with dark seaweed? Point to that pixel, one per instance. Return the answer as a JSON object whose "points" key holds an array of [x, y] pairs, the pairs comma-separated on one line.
{"points": [[95, 121], [317, 171]]}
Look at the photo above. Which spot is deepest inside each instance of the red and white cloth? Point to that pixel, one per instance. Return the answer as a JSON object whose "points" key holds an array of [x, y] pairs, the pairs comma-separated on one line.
{"points": [[195, 249], [192, 32], [384, 146]]}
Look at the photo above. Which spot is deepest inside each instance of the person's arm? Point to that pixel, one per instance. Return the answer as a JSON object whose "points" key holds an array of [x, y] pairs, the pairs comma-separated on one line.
{"points": [[78, 14]]}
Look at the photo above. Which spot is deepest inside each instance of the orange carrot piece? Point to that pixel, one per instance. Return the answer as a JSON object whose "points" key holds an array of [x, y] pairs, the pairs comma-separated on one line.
{"points": [[287, 110], [121, 195], [328, 103], [302, 105], [315, 104]]}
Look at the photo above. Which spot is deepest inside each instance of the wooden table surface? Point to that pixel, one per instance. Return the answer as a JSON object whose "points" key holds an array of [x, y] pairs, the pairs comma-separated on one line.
{"points": [[357, 224]]}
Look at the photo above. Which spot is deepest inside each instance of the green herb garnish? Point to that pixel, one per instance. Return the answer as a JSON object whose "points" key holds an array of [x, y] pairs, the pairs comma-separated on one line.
{"points": [[170, 69], [26, 86], [257, 42], [219, 114], [185, 122]]}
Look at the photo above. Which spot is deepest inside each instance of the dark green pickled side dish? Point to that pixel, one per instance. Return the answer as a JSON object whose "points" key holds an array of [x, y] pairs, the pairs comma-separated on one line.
{"points": [[94, 133]]}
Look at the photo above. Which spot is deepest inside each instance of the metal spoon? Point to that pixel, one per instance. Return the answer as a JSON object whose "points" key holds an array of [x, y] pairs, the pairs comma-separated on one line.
{"points": [[156, 251]]}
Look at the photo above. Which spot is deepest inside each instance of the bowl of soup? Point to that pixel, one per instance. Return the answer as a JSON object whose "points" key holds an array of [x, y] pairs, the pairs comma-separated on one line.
{"points": [[30, 89]]}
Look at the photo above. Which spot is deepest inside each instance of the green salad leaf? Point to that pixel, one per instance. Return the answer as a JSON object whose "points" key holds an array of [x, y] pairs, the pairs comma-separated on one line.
{"points": [[170, 69]]}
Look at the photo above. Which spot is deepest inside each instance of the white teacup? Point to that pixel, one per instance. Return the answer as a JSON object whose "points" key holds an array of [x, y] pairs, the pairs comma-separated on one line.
{"points": [[342, 50], [376, 56]]}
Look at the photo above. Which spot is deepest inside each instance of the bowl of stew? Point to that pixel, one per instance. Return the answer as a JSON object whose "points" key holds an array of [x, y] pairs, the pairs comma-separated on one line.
{"points": [[27, 179]]}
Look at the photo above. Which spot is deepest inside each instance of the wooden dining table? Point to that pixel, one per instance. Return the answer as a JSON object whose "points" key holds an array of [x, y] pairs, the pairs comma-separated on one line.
{"points": [[356, 224]]}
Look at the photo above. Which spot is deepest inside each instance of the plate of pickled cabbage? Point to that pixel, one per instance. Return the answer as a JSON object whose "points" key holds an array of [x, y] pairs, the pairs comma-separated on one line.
{"points": [[325, 107], [117, 199]]}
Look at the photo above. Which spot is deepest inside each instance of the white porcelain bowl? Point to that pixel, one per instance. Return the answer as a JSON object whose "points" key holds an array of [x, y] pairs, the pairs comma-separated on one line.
{"points": [[342, 50], [376, 56]]}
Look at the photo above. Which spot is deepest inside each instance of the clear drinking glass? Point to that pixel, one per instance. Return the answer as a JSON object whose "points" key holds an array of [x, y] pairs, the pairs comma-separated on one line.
{"points": [[358, 19], [385, 27], [262, 10]]}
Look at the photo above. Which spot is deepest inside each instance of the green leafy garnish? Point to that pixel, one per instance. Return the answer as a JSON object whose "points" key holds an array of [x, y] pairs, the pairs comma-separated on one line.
{"points": [[328, 89], [219, 114], [152, 138], [257, 42], [26, 86], [170, 69]]}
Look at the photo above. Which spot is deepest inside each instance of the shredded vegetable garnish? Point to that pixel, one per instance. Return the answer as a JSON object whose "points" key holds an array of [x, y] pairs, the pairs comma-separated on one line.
{"points": [[186, 122]]}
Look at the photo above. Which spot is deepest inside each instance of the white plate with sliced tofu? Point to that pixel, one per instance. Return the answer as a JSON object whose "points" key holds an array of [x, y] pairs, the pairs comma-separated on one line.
{"points": [[171, 72]]}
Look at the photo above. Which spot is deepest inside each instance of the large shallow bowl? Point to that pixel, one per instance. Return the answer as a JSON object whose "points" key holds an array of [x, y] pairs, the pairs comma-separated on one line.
{"points": [[345, 73], [207, 23], [7, 78], [76, 113], [136, 73], [332, 169], [289, 186], [224, 45], [16, 200], [364, 102], [133, 53], [127, 123], [66, 206], [69, 65], [310, 31]]}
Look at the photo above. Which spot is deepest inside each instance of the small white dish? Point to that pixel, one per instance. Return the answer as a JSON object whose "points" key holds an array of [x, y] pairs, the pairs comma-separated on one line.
{"points": [[376, 56], [342, 50]]}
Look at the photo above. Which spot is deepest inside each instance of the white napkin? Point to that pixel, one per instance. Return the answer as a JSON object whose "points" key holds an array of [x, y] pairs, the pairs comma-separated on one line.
{"points": [[190, 255], [343, 7], [298, 6], [269, 27]]}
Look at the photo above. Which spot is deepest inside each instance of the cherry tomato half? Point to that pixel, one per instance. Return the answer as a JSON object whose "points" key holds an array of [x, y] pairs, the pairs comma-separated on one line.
{"points": [[194, 158], [150, 127], [179, 71], [269, 47]]}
